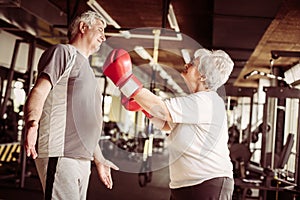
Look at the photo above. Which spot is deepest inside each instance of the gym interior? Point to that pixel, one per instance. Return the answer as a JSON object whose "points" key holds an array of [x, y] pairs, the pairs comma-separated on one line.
{"points": [[261, 96]]}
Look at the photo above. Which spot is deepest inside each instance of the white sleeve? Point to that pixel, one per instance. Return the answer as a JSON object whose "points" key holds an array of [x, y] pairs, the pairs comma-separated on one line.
{"points": [[192, 109]]}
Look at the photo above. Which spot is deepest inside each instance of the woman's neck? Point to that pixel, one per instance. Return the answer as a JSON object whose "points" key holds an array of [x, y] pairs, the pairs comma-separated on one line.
{"points": [[201, 86]]}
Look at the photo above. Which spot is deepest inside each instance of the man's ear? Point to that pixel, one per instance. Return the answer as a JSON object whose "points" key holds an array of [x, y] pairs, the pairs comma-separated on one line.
{"points": [[82, 27]]}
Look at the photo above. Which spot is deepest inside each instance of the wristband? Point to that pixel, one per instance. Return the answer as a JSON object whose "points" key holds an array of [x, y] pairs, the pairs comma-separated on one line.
{"points": [[131, 87]]}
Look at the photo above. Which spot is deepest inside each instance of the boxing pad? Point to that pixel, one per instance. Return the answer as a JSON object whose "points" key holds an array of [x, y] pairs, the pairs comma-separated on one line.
{"points": [[118, 67]]}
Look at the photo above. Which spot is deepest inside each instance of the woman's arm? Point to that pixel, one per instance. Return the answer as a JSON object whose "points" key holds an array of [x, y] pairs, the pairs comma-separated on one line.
{"points": [[153, 104], [160, 124]]}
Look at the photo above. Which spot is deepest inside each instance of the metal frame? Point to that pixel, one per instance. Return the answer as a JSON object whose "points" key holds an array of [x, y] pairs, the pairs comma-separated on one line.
{"points": [[279, 93], [271, 92], [28, 77], [243, 92]]}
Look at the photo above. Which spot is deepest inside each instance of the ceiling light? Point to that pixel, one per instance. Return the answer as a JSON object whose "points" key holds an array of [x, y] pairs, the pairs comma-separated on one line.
{"points": [[128, 35], [252, 73], [293, 74], [143, 53], [272, 76], [96, 7], [172, 19], [186, 55]]}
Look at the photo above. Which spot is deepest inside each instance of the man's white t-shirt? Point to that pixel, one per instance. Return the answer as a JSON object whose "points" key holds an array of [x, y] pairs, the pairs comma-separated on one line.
{"points": [[197, 145]]}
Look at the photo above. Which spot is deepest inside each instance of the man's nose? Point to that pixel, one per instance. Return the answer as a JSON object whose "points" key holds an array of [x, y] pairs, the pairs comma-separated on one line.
{"points": [[103, 38]]}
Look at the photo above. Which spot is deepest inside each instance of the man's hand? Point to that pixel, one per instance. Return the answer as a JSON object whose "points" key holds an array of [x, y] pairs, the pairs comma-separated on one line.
{"points": [[104, 172], [31, 137]]}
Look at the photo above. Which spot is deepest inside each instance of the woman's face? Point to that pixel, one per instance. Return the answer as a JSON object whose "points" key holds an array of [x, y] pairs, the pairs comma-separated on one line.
{"points": [[191, 75]]}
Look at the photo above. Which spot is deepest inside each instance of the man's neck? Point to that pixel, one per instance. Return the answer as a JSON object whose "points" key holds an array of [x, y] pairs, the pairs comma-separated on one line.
{"points": [[80, 47]]}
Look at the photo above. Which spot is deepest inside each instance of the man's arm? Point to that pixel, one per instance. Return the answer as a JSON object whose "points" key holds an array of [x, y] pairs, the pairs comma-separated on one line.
{"points": [[33, 111], [103, 167]]}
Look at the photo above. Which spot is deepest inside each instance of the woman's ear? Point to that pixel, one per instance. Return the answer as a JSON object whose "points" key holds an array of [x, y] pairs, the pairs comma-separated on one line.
{"points": [[202, 78]]}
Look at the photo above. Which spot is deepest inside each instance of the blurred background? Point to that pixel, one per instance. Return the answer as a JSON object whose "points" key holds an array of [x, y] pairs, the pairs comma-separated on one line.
{"points": [[261, 95]]}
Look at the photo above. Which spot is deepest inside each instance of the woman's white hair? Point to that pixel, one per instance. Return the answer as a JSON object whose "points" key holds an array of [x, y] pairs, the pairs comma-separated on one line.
{"points": [[215, 65], [89, 18]]}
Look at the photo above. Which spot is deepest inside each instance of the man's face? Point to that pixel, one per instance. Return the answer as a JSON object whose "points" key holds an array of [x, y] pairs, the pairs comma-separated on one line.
{"points": [[95, 36]]}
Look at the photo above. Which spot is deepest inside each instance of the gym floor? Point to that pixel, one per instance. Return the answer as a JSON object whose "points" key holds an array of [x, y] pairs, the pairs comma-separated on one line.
{"points": [[126, 186]]}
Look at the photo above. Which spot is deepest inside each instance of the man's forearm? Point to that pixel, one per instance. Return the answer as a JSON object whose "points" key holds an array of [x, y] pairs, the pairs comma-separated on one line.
{"points": [[33, 108], [98, 156], [36, 99]]}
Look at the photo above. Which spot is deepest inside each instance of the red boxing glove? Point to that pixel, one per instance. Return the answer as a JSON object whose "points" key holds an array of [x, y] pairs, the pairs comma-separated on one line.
{"points": [[132, 105], [118, 68]]}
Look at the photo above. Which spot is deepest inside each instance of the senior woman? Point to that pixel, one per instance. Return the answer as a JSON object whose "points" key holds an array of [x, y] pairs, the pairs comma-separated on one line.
{"points": [[199, 162]]}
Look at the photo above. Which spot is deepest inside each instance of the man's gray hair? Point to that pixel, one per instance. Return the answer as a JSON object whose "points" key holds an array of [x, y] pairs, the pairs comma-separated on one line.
{"points": [[88, 17], [215, 65]]}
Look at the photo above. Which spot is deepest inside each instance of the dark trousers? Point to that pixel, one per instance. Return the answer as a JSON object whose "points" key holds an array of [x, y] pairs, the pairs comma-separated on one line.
{"points": [[213, 189]]}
